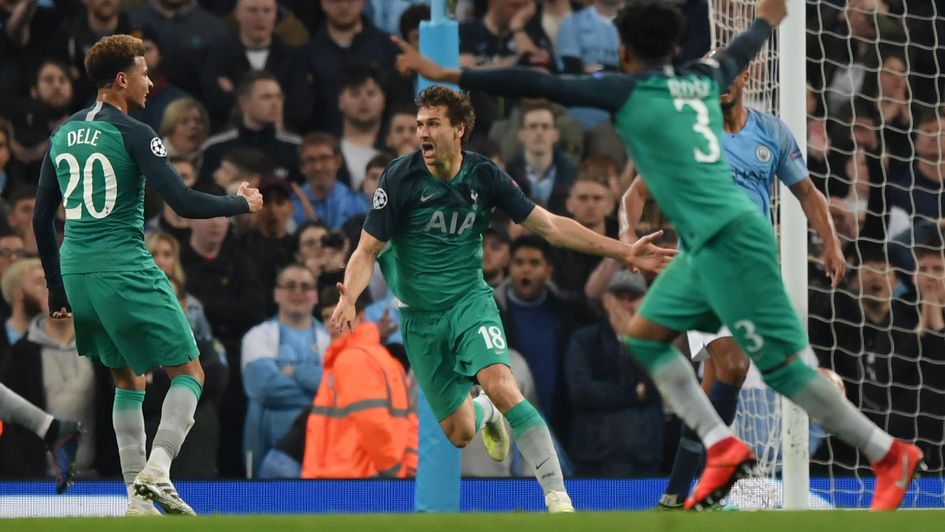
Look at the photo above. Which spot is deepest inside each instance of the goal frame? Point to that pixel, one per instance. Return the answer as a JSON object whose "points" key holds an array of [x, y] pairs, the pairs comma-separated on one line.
{"points": [[792, 108]]}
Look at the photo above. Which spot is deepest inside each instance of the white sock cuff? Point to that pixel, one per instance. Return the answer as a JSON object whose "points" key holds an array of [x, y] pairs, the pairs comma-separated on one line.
{"points": [[878, 445], [43, 427], [490, 412], [715, 435]]}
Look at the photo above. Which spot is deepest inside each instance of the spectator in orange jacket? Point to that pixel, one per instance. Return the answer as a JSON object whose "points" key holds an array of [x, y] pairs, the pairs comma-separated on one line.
{"points": [[363, 422]]}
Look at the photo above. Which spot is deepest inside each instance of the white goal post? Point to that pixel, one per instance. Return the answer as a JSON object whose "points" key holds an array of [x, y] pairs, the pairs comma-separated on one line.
{"points": [[792, 87], [777, 84]]}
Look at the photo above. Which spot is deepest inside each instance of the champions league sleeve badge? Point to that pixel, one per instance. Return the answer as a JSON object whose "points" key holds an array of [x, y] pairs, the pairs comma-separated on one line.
{"points": [[380, 199]]}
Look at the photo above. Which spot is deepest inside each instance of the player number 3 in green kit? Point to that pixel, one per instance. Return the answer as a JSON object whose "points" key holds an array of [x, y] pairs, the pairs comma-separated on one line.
{"points": [[87, 172], [702, 127]]}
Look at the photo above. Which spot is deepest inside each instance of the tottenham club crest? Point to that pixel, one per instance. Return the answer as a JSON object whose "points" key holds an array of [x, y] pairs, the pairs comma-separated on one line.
{"points": [[157, 147], [763, 153], [380, 198]]}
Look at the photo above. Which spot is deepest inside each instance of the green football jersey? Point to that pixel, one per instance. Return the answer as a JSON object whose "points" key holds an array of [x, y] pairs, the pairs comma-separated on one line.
{"points": [[435, 227], [670, 121], [672, 127], [96, 166], [103, 190]]}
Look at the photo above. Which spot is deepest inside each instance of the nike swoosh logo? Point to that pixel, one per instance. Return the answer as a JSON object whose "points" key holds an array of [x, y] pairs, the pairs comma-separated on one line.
{"points": [[903, 483], [537, 467], [423, 199]]}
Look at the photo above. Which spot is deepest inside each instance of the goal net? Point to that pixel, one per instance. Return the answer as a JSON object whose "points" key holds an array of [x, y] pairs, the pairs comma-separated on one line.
{"points": [[875, 148], [758, 421]]}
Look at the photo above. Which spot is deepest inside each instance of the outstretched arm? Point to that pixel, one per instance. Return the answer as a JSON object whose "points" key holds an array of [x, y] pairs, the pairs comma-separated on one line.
{"points": [[151, 157], [631, 210], [628, 216], [818, 212], [192, 204], [734, 58], [357, 274], [565, 232], [607, 92]]}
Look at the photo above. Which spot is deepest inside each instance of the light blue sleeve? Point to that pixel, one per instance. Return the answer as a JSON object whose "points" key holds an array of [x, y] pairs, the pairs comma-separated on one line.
{"points": [[297, 212], [308, 375], [567, 44], [791, 166], [265, 383], [375, 311], [360, 204]]}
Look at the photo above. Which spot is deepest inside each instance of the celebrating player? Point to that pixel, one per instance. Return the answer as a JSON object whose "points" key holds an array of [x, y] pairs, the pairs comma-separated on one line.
{"points": [[432, 207], [758, 146], [671, 122], [125, 311]]}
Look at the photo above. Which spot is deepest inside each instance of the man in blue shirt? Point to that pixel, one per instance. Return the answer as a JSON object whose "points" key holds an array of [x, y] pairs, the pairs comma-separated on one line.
{"points": [[588, 42], [282, 362], [325, 198]]}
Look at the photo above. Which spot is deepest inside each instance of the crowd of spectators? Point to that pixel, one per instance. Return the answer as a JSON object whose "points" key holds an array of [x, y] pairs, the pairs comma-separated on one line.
{"points": [[301, 98], [876, 147]]}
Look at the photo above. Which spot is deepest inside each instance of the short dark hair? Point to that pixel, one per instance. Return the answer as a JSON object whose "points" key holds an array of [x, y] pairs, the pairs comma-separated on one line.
{"points": [[251, 78], [871, 252], [590, 174], [329, 297], [249, 161], [381, 160], [927, 115], [537, 105], [297, 237], [931, 244], [650, 28], [61, 65], [459, 109], [486, 147], [403, 108], [111, 55], [319, 138], [23, 192], [294, 266], [600, 162], [411, 17], [354, 75], [924, 250], [533, 242]]}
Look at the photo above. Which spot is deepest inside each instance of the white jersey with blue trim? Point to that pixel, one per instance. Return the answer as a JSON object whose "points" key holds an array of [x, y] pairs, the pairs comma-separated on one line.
{"points": [[763, 149]]}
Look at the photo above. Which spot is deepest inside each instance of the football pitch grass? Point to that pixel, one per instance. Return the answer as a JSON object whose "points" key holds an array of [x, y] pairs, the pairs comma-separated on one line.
{"points": [[652, 521]]}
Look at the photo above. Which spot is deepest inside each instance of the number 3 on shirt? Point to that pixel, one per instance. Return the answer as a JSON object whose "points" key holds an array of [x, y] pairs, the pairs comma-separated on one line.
{"points": [[493, 337], [111, 185], [702, 127], [747, 328]]}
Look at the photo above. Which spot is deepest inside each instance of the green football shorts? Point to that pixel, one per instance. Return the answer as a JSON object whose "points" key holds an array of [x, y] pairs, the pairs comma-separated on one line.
{"points": [[129, 320], [446, 349], [733, 279]]}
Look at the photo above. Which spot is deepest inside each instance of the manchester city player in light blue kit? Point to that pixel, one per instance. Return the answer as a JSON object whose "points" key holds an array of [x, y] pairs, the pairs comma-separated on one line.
{"points": [[758, 146]]}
